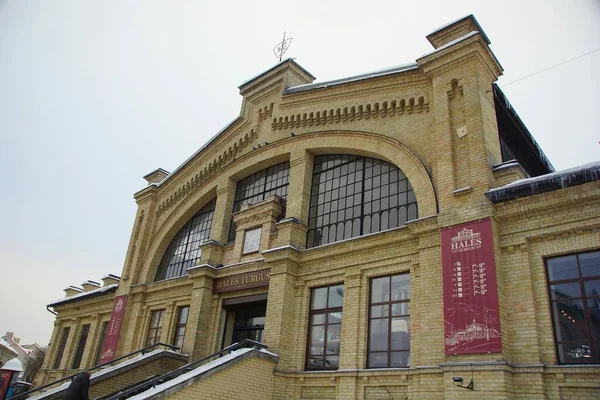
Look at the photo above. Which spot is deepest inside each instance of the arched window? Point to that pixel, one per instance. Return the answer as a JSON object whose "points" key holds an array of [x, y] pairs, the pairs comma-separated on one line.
{"points": [[259, 186], [184, 250], [354, 196]]}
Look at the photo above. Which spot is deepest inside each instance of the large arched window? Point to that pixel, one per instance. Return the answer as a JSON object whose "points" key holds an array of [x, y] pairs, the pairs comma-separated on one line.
{"points": [[259, 186], [184, 250], [354, 196]]}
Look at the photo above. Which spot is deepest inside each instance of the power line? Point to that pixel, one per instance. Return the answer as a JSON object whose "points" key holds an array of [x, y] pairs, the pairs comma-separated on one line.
{"points": [[549, 68]]}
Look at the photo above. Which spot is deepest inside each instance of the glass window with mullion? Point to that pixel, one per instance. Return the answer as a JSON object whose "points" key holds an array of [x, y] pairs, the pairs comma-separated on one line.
{"points": [[155, 327], [574, 291], [325, 327], [182, 318], [389, 322]]}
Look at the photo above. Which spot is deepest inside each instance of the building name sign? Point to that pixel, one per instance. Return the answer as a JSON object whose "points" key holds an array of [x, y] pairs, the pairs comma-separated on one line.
{"points": [[248, 280]]}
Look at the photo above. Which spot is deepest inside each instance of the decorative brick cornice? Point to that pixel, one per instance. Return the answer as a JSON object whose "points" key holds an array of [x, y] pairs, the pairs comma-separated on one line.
{"points": [[266, 112], [208, 171], [258, 214], [353, 113]]}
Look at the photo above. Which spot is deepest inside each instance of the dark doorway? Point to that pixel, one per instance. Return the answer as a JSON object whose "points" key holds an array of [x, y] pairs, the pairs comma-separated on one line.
{"points": [[244, 321]]}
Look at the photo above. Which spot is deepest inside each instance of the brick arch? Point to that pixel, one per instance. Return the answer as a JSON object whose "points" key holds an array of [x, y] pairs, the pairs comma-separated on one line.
{"points": [[329, 142]]}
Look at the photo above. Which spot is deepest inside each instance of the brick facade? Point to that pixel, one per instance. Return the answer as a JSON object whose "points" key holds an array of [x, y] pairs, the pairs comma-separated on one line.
{"points": [[410, 118]]}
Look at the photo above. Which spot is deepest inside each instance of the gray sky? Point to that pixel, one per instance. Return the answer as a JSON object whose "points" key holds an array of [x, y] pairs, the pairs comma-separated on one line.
{"points": [[95, 94]]}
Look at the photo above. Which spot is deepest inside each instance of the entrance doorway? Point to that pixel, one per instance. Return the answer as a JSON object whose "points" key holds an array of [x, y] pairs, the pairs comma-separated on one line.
{"points": [[244, 321]]}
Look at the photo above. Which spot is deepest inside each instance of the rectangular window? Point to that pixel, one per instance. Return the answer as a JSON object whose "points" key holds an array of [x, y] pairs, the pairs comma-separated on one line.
{"points": [[389, 322], [574, 291], [155, 328], [325, 327], [102, 340], [85, 330], [182, 318], [61, 347]]}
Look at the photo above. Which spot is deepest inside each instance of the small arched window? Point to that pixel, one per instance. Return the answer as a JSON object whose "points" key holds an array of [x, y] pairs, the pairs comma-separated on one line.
{"points": [[259, 186], [354, 196], [184, 250]]}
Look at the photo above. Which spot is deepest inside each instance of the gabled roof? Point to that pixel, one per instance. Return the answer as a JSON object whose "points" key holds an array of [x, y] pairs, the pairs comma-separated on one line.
{"points": [[369, 75], [274, 67]]}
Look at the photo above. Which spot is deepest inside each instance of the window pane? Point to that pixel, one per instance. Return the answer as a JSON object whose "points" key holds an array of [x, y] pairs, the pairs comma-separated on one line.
{"points": [[594, 312], [183, 314], [317, 340], [334, 318], [319, 299], [400, 339], [399, 309], [336, 296], [592, 288], [379, 311], [380, 290], [400, 287], [378, 360], [333, 339], [565, 291], [575, 353], [590, 264], [561, 268], [378, 340], [332, 361], [399, 359], [569, 321], [318, 319]]}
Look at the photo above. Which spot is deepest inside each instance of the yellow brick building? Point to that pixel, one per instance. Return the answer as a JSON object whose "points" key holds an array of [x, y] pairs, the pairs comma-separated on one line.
{"points": [[311, 223]]}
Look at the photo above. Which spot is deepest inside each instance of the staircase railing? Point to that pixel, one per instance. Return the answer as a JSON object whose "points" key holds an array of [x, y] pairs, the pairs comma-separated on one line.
{"points": [[124, 394], [145, 350]]}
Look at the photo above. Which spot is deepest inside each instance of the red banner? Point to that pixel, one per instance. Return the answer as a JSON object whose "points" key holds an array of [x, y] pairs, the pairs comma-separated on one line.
{"points": [[114, 328], [471, 319], [5, 378]]}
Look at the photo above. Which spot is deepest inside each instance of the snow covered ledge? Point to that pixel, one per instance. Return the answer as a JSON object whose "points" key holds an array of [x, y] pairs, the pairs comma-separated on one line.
{"points": [[508, 172], [546, 183]]}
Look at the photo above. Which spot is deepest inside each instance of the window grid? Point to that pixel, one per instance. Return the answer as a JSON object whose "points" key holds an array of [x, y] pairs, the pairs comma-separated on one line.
{"points": [[182, 317], [353, 196], [85, 330], [324, 328], [155, 327], [389, 306], [259, 186], [61, 348], [184, 250], [574, 294]]}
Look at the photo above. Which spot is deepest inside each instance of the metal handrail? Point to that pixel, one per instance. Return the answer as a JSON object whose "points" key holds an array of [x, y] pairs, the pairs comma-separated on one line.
{"points": [[146, 349], [185, 368]]}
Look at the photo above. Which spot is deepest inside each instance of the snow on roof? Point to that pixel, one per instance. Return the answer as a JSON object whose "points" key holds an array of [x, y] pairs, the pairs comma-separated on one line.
{"points": [[7, 345], [287, 60], [452, 43], [197, 371], [111, 276], [436, 30], [368, 75], [85, 294], [506, 164], [561, 179]]}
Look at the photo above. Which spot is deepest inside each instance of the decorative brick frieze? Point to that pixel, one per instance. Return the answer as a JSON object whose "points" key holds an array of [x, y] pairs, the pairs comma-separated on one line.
{"points": [[353, 113]]}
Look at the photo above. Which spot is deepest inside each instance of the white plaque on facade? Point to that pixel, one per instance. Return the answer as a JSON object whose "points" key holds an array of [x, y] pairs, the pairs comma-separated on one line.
{"points": [[251, 240]]}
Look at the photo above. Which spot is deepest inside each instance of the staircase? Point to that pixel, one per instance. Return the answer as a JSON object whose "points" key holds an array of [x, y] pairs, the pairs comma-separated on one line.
{"points": [[225, 373]]}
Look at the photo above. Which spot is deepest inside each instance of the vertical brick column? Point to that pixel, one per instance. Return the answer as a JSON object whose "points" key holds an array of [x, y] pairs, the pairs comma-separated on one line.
{"points": [[301, 167], [91, 344], [281, 324], [350, 322], [219, 231], [199, 326]]}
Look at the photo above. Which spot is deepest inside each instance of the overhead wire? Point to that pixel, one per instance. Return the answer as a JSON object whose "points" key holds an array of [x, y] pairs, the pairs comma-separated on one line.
{"points": [[549, 68]]}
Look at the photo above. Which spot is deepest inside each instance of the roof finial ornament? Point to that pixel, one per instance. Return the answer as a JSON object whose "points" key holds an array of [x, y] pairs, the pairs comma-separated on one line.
{"points": [[282, 47]]}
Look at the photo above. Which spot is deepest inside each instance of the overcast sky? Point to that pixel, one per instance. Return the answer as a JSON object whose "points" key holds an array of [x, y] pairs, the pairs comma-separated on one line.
{"points": [[95, 94]]}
